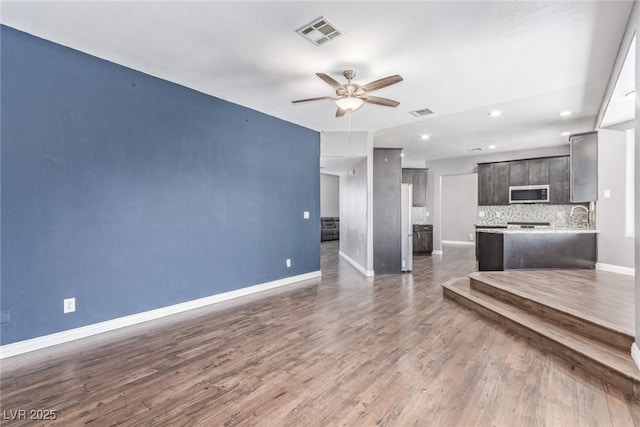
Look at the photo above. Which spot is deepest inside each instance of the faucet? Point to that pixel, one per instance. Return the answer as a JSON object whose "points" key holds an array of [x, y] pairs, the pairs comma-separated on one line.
{"points": [[585, 222]]}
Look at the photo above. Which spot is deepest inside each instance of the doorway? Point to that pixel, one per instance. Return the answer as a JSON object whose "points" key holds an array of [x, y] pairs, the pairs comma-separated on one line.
{"points": [[459, 208]]}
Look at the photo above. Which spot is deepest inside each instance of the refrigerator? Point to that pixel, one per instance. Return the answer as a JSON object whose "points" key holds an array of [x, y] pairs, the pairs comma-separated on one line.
{"points": [[406, 202]]}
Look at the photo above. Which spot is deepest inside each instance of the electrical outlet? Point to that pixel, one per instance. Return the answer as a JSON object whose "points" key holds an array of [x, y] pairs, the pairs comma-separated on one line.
{"points": [[69, 305], [471, 236], [288, 263], [498, 214], [481, 214], [306, 214]]}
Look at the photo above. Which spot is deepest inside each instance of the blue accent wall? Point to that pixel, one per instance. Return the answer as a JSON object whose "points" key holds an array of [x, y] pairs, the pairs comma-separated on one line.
{"points": [[132, 193]]}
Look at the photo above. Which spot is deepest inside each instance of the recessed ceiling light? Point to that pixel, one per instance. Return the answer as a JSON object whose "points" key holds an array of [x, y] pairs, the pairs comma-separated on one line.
{"points": [[564, 113], [401, 154], [630, 94], [425, 137], [565, 134], [495, 113], [491, 147]]}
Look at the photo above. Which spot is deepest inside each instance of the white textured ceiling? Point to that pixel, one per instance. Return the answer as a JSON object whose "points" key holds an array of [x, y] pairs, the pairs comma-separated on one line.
{"points": [[461, 59]]}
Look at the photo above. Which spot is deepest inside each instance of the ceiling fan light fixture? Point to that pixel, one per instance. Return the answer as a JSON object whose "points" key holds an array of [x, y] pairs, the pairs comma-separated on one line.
{"points": [[349, 103]]}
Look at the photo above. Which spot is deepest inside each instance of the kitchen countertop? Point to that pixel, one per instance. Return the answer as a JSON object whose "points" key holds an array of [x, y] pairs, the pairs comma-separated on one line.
{"points": [[553, 230]]}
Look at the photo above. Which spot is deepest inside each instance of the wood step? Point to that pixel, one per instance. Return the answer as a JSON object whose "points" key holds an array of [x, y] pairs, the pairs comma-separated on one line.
{"points": [[592, 357], [554, 311]]}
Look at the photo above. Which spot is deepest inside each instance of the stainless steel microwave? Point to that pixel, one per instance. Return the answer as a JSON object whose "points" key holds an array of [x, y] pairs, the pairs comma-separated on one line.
{"points": [[529, 194]]}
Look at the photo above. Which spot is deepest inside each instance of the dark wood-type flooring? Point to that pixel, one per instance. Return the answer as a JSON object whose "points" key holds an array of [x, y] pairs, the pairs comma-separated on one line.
{"points": [[344, 350], [600, 296]]}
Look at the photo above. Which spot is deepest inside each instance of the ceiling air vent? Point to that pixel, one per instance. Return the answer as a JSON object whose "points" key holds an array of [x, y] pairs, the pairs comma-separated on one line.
{"points": [[319, 31], [420, 113]]}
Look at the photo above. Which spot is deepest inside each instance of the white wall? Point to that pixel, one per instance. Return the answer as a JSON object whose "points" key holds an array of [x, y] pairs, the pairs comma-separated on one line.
{"points": [[343, 144], [353, 215], [614, 248], [329, 195], [630, 32], [459, 207]]}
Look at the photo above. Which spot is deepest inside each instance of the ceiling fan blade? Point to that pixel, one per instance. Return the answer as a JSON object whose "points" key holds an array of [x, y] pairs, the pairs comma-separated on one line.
{"points": [[340, 112], [311, 99], [379, 84], [330, 80], [381, 101]]}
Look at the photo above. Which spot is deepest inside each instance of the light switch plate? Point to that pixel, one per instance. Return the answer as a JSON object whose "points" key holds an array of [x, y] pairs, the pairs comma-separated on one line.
{"points": [[306, 214], [607, 194]]}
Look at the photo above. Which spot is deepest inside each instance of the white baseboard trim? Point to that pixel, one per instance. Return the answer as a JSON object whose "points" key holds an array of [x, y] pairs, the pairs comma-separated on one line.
{"points": [[458, 242], [438, 252], [361, 269], [616, 269], [26, 346], [635, 354]]}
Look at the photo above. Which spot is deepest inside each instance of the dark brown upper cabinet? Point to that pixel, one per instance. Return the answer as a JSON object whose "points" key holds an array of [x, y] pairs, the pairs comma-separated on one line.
{"points": [[494, 179], [529, 172], [559, 192], [418, 178], [493, 184], [584, 167], [519, 172], [538, 171]]}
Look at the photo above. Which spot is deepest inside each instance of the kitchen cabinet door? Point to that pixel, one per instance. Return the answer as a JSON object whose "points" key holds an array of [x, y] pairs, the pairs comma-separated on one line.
{"points": [[538, 173], [500, 183], [559, 180], [419, 181], [485, 184], [422, 239], [407, 176], [584, 167], [519, 172]]}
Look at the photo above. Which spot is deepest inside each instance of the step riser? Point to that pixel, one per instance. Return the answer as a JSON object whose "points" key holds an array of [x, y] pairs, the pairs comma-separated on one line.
{"points": [[587, 367], [581, 326]]}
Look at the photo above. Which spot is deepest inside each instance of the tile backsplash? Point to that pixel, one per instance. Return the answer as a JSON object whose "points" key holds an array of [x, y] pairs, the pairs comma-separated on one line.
{"points": [[419, 215], [556, 215]]}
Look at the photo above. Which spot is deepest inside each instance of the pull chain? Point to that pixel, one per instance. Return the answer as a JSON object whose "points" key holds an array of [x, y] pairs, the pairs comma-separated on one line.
{"points": [[349, 133]]}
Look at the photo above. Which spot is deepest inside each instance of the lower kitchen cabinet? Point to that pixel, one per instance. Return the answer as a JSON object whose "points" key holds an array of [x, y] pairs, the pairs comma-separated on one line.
{"points": [[422, 239]]}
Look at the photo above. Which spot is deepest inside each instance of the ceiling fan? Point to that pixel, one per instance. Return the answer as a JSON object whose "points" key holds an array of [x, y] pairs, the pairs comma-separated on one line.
{"points": [[350, 96]]}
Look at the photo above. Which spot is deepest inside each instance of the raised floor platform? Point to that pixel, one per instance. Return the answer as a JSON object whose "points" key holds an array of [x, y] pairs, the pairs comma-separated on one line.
{"points": [[584, 316]]}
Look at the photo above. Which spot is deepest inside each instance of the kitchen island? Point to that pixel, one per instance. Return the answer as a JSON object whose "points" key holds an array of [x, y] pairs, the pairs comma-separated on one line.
{"points": [[508, 249]]}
